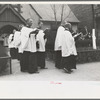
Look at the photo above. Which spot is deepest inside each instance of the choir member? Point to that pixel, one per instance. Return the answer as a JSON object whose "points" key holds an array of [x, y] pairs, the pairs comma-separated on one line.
{"points": [[17, 44], [17, 35], [57, 47], [11, 45], [41, 40], [69, 52], [28, 45]]}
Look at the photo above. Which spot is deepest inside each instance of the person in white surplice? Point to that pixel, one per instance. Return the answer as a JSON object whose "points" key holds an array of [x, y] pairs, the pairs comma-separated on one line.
{"points": [[57, 47], [28, 46], [11, 45], [68, 51], [17, 36], [17, 43], [41, 39]]}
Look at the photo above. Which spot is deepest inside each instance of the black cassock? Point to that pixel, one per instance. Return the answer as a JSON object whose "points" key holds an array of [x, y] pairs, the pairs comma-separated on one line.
{"points": [[29, 59]]}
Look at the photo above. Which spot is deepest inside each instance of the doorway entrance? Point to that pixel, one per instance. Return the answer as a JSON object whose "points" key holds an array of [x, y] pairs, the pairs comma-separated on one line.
{"points": [[5, 31]]}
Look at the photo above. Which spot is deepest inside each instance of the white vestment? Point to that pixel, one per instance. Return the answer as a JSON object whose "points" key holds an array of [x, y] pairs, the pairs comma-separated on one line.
{"points": [[58, 38], [68, 44], [10, 42], [28, 42], [40, 38], [17, 38]]}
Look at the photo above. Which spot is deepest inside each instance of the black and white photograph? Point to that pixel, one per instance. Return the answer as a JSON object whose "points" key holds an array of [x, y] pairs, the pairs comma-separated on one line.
{"points": [[53, 43]]}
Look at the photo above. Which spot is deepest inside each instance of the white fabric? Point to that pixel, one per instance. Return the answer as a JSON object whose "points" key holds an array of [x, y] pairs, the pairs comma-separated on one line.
{"points": [[33, 43], [6, 41], [40, 38], [68, 44], [17, 38], [58, 38], [17, 41], [10, 42], [28, 43], [20, 49], [94, 39]]}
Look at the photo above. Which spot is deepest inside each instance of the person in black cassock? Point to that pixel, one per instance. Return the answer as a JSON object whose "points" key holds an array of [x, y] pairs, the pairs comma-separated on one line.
{"points": [[28, 46], [69, 52], [11, 45], [18, 44], [41, 40], [57, 47]]}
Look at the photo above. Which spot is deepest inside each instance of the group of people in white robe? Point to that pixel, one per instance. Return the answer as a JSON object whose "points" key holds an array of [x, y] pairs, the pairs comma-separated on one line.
{"points": [[31, 46], [65, 49]]}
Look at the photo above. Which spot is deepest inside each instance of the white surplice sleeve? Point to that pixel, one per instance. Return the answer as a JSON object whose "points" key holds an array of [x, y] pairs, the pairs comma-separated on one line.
{"points": [[25, 32]]}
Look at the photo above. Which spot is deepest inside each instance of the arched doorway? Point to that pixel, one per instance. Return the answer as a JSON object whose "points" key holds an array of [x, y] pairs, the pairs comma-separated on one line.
{"points": [[5, 31], [8, 29]]}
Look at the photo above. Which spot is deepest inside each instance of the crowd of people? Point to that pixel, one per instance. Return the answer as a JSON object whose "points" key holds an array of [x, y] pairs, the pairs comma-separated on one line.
{"points": [[31, 47]]}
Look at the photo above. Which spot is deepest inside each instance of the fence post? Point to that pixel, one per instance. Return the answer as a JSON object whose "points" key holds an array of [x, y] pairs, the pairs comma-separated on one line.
{"points": [[93, 39]]}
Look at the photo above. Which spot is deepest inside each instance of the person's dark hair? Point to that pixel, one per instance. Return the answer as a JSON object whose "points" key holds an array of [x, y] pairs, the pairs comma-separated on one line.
{"points": [[28, 19], [20, 26], [40, 22], [29, 22], [68, 26], [40, 25]]}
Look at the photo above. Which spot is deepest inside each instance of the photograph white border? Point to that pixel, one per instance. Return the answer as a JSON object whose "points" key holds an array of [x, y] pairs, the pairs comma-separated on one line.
{"points": [[45, 89]]}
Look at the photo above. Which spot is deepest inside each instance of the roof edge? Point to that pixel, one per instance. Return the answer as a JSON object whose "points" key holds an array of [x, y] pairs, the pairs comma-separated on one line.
{"points": [[35, 10], [58, 21], [14, 11]]}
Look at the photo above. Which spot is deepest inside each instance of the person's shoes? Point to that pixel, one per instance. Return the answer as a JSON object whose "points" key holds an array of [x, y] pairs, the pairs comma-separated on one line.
{"points": [[33, 72], [37, 72], [44, 68], [67, 71], [23, 70], [71, 70], [59, 68]]}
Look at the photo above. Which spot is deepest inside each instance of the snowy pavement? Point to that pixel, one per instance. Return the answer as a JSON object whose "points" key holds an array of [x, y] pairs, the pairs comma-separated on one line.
{"points": [[84, 72]]}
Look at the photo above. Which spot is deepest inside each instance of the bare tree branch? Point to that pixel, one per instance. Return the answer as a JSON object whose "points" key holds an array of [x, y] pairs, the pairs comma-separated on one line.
{"points": [[62, 8], [62, 11], [55, 12], [67, 15]]}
